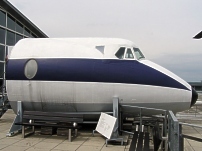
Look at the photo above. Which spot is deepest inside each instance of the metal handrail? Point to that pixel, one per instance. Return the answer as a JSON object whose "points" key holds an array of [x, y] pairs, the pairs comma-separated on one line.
{"points": [[164, 117], [139, 107], [192, 125], [175, 135]]}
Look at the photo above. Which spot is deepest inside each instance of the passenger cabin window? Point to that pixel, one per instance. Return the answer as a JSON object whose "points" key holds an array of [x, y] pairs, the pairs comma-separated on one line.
{"points": [[120, 53], [129, 54], [138, 53], [31, 68]]}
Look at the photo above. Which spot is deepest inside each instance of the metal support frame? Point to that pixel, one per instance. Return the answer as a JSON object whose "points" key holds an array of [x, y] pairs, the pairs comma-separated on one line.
{"points": [[164, 145], [116, 130], [172, 136], [174, 141], [173, 133], [140, 127], [181, 139], [114, 139], [70, 134], [18, 118], [29, 133]]}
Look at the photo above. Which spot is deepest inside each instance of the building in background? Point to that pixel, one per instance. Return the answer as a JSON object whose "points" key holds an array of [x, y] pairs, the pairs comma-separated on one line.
{"points": [[13, 27], [197, 86]]}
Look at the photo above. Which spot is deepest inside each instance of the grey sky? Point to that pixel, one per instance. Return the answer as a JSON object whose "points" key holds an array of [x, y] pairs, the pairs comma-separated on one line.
{"points": [[163, 30]]}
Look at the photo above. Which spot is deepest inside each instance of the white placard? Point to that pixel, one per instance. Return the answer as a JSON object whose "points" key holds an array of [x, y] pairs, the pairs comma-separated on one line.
{"points": [[106, 125]]}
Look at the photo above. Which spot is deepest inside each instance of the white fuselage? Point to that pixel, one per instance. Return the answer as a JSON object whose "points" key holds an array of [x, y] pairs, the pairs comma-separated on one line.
{"points": [[73, 76]]}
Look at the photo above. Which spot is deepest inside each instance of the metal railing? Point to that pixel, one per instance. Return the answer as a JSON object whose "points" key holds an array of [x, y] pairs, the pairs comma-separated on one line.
{"points": [[174, 143], [164, 116], [164, 112], [175, 135], [172, 136]]}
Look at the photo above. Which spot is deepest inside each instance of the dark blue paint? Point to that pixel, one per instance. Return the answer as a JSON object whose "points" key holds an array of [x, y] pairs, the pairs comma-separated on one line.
{"points": [[92, 70]]}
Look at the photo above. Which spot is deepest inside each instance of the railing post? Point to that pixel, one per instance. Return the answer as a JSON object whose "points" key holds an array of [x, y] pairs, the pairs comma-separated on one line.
{"points": [[169, 131], [120, 121], [181, 139], [176, 136], [140, 129], [164, 144], [173, 135]]}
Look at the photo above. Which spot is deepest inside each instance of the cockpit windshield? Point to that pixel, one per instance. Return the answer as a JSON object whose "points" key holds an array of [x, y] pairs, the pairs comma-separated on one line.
{"points": [[129, 53], [138, 53]]}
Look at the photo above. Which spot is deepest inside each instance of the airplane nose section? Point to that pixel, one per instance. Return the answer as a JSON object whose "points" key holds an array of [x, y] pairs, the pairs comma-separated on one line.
{"points": [[194, 97]]}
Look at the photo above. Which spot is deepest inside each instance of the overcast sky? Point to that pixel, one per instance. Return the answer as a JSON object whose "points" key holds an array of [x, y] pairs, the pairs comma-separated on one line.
{"points": [[163, 30]]}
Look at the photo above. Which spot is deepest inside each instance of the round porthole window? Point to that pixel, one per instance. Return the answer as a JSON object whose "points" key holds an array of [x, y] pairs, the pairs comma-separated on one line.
{"points": [[31, 68]]}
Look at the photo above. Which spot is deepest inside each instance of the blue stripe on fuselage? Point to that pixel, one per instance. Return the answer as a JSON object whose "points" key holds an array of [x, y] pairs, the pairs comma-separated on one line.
{"points": [[92, 70]]}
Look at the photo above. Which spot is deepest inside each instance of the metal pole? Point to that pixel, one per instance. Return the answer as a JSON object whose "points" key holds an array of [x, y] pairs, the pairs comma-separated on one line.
{"points": [[169, 132], [140, 129], [20, 111], [120, 121], [177, 138], [181, 139], [165, 131], [173, 132], [70, 135], [116, 114]]}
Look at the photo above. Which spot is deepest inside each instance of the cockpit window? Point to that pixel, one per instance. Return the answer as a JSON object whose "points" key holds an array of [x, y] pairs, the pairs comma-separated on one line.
{"points": [[120, 53], [129, 54], [138, 53]]}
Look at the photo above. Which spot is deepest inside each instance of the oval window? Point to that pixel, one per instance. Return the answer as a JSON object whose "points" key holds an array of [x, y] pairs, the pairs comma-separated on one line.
{"points": [[31, 69]]}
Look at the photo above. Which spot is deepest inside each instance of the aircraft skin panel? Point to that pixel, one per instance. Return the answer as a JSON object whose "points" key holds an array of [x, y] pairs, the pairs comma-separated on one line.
{"points": [[99, 107], [68, 48], [77, 93], [93, 70], [165, 71]]}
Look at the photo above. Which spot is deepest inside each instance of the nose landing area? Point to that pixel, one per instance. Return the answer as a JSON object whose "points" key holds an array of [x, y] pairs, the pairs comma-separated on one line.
{"points": [[194, 97]]}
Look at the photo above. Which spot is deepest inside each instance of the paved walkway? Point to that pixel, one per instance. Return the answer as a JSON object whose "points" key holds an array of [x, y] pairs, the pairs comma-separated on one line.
{"points": [[85, 141], [192, 116]]}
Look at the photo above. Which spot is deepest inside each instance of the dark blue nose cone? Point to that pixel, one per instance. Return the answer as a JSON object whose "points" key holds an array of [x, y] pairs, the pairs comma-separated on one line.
{"points": [[194, 97]]}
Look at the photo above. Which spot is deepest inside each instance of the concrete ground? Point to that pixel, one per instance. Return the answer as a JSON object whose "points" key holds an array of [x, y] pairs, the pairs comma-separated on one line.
{"points": [[192, 116], [85, 141], [190, 145]]}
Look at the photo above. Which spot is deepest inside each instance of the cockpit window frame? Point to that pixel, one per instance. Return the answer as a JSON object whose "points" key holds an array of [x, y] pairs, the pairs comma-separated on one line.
{"points": [[123, 53], [141, 54], [131, 49]]}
